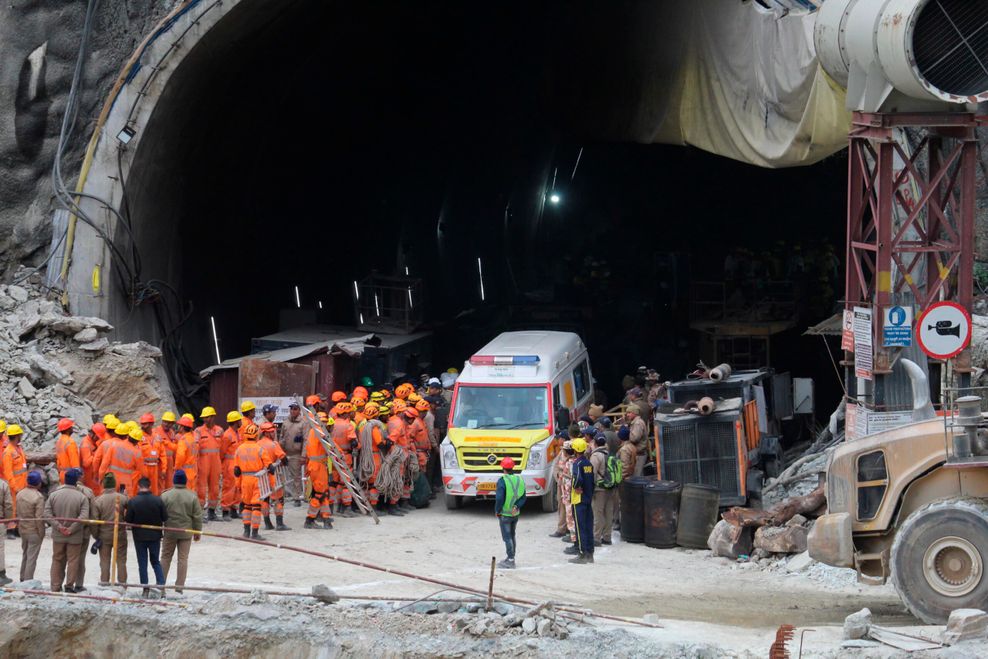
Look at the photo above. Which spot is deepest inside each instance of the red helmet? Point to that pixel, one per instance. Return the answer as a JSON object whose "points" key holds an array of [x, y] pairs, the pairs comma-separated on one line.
{"points": [[99, 430], [411, 413], [313, 400], [65, 424], [147, 418], [360, 392], [267, 426], [338, 397], [185, 421], [508, 464]]}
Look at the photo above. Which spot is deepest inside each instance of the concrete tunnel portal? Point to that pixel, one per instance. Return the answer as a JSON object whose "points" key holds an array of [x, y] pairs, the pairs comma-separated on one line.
{"points": [[301, 143]]}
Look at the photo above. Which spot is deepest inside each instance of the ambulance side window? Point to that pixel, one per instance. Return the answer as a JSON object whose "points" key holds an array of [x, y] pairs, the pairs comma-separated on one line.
{"points": [[581, 377]]}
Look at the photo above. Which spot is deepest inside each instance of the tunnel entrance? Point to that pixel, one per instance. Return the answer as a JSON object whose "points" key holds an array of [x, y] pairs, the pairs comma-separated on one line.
{"points": [[315, 144]]}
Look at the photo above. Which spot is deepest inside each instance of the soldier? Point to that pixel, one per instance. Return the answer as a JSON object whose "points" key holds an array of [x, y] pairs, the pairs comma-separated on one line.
{"points": [[30, 506], [66, 502], [110, 506], [638, 436], [565, 525]]}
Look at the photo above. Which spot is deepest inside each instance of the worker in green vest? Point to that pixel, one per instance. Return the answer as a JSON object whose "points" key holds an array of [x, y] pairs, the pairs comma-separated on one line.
{"points": [[507, 506]]}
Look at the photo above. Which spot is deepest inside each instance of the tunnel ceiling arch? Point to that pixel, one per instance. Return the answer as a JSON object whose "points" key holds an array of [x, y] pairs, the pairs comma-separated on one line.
{"points": [[729, 78]]}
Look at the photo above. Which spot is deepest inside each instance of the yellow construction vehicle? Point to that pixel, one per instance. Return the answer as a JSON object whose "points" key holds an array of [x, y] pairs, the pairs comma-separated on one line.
{"points": [[911, 503]]}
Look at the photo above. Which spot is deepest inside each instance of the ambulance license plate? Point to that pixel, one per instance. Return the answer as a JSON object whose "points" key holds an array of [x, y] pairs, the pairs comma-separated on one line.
{"points": [[486, 487]]}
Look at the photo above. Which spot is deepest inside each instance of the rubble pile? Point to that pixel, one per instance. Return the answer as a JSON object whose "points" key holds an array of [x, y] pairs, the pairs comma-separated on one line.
{"points": [[54, 365]]}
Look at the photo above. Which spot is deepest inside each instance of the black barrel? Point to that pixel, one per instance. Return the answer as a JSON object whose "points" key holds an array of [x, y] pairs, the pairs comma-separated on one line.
{"points": [[698, 506], [661, 513], [633, 508]]}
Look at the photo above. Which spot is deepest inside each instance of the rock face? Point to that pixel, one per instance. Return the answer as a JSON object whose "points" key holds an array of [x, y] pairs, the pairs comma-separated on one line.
{"points": [[46, 374], [39, 42]]}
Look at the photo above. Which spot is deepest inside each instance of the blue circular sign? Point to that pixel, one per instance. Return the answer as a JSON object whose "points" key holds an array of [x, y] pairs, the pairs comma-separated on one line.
{"points": [[897, 316]]}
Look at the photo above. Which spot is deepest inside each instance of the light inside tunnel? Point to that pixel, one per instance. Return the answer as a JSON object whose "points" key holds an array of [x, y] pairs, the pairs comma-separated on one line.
{"points": [[461, 115]]}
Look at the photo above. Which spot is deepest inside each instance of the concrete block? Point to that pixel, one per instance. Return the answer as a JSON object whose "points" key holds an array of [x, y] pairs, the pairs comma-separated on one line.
{"points": [[781, 540], [856, 625], [721, 543], [965, 625]]}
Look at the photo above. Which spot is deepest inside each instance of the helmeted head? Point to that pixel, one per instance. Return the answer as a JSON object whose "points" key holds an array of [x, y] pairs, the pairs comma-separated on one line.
{"points": [[248, 409], [269, 412], [507, 464], [14, 433], [579, 445], [371, 410], [186, 421], [136, 434], [64, 425], [111, 422], [403, 390], [250, 432], [98, 431], [268, 428], [167, 419], [360, 392]]}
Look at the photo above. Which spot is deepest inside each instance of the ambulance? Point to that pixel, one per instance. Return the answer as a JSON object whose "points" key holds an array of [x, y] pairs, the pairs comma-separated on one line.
{"points": [[507, 402]]}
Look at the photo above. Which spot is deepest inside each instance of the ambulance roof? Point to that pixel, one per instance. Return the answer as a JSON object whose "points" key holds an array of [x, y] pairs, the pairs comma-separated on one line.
{"points": [[553, 350]]}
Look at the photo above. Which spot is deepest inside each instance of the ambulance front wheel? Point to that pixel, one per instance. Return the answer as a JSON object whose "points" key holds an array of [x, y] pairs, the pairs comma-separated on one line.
{"points": [[453, 503], [549, 501]]}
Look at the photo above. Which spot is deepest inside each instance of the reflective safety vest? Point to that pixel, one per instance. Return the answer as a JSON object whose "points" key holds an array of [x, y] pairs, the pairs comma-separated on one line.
{"points": [[514, 488]]}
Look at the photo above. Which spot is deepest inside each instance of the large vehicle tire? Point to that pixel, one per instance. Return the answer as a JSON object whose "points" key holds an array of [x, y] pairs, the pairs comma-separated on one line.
{"points": [[939, 558], [453, 503], [549, 501]]}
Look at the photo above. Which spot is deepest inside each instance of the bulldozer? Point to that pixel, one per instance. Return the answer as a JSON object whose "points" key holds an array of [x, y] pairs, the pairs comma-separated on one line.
{"points": [[911, 504]]}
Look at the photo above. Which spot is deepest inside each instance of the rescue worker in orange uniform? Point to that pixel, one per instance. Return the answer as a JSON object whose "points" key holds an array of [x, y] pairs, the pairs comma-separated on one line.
{"points": [[317, 470], [358, 409], [111, 423], [187, 451], [402, 391], [269, 443], [165, 434], [210, 437], [123, 458], [230, 491], [344, 435], [151, 452], [418, 436], [13, 468], [87, 455], [398, 434], [371, 433], [249, 459], [66, 449], [3, 435], [247, 410], [335, 398]]}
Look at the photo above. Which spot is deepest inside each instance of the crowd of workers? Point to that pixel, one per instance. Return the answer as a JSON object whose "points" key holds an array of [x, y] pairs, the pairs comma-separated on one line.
{"points": [[176, 475]]}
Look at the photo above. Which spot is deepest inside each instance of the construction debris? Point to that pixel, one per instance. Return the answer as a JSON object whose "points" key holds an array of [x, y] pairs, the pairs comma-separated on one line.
{"points": [[54, 365], [965, 625], [856, 625]]}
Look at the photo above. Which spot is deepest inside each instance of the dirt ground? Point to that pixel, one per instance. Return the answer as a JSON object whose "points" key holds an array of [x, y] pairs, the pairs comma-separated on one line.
{"points": [[695, 595]]}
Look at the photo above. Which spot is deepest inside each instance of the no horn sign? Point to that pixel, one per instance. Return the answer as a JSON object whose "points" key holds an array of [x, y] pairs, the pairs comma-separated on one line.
{"points": [[944, 330]]}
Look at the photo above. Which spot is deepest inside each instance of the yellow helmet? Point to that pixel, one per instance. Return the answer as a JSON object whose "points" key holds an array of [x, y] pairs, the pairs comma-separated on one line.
{"points": [[168, 416], [110, 421], [414, 397], [579, 445], [247, 406], [233, 416], [136, 434], [452, 371], [3, 426], [207, 412], [13, 430]]}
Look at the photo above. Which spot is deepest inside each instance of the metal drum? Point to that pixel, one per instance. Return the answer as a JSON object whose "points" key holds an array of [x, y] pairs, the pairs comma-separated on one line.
{"points": [[698, 508], [661, 504]]}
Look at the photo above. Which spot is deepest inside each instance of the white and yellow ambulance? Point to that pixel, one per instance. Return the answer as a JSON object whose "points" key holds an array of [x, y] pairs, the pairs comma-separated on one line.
{"points": [[506, 403]]}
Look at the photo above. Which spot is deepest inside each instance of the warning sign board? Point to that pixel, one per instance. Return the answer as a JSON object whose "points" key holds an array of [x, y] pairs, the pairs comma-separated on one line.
{"points": [[847, 331], [897, 327], [864, 358], [943, 330]]}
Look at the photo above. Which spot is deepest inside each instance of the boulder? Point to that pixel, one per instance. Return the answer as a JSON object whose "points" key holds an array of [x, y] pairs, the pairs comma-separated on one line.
{"points": [[543, 626], [781, 539], [449, 607], [797, 520], [99, 345], [730, 541], [74, 324], [800, 562], [528, 625], [19, 294], [325, 594], [856, 625], [26, 388], [87, 335], [965, 625]]}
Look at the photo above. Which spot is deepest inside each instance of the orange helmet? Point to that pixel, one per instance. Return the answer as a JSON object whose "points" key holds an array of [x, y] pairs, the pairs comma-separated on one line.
{"points": [[385, 394], [411, 412], [358, 402], [403, 390], [344, 408], [360, 392], [398, 406], [312, 400], [186, 421], [414, 397], [371, 410], [267, 426], [65, 424], [250, 432], [338, 397], [423, 405], [322, 416], [147, 418]]}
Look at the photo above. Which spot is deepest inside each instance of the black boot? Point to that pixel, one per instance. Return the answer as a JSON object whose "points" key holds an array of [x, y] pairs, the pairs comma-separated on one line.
{"points": [[281, 524], [246, 530], [406, 505], [254, 535], [327, 523], [347, 512], [268, 526], [211, 515], [226, 516], [310, 523], [393, 509], [234, 514], [4, 579]]}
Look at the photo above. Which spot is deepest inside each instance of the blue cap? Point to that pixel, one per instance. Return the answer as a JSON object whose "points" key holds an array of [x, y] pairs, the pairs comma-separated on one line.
{"points": [[604, 421], [180, 478], [624, 433], [72, 476], [269, 408], [34, 478]]}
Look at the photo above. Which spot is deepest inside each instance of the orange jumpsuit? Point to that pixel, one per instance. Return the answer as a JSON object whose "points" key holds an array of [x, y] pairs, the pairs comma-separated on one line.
{"points": [[90, 467], [251, 458], [187, 457], [66, 455], [125, 461], [276, 454], [343, 434], [210, 465], [418, 436], [398, 433], [230, 495], [151, 454], [247, 421], [317, 470], [375, 429], [13, 469], [166, 452]]}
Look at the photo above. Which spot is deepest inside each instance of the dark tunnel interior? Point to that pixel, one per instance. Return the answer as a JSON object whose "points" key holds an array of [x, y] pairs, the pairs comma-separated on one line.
{"points": [[313, 144]]}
